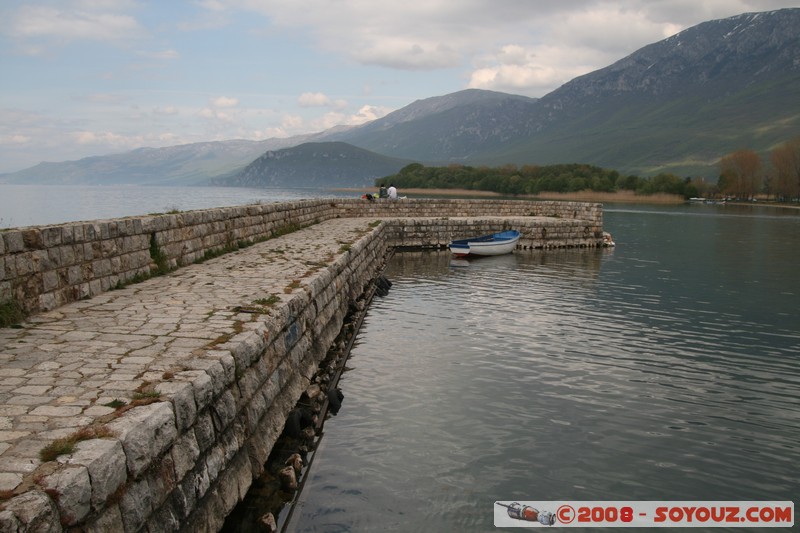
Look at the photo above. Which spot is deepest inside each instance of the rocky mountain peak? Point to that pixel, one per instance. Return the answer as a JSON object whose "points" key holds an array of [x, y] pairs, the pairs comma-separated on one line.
{"points": [[712, 53]]}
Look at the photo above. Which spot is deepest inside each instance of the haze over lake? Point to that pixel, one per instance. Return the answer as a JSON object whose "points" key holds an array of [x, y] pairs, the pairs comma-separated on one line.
{"points": [[28, 205]]}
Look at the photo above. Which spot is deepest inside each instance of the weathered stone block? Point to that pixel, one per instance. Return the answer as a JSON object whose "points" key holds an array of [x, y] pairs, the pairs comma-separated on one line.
{"points": [[252, 379], [47, 302], [272, 387], [109, 520], [136, 505], [246, 348], [50, 281], [229, 483], [204, 430], [24, 264], [32, 238], [184, 497], [215, 462], [146, 432], [224, 411], [254, 411], [51, 236], [104, 460], [161, 480], [185, 453], [34, 510], [200, 481], [72, 491], [165, 520], [222, 372], [181, 395], [202, 387], [54, 257]]}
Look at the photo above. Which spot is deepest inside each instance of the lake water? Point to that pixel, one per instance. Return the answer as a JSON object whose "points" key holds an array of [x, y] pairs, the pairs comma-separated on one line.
{"points": [[667, 368], [29, 205]]}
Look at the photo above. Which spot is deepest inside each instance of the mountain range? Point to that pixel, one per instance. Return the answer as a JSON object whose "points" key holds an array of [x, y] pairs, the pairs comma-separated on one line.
{"points": [[677, 105], [325, 164]]}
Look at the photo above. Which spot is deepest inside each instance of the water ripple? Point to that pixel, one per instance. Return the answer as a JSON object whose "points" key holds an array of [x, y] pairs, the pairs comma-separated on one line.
{"points": [[542, 377]]}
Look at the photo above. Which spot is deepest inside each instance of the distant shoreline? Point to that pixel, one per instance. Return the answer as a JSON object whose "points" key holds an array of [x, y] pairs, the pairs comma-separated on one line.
{"points": [[582, 196]]}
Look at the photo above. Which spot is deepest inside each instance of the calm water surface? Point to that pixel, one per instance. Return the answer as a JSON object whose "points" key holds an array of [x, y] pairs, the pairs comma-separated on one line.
{"points": [[29, 205], [665, 369]]}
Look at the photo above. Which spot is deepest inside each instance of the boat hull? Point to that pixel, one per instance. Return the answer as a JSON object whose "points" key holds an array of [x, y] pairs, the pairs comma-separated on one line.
{"points": [[500, 243]]}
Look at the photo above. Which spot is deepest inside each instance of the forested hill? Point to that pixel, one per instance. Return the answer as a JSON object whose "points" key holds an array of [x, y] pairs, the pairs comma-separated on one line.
{"points": [[328, 164], [533, 179]]}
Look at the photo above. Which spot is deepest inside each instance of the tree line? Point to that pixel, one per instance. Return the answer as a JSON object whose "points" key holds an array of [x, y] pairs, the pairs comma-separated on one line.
{"points": [[741, 176], [533, 179]]}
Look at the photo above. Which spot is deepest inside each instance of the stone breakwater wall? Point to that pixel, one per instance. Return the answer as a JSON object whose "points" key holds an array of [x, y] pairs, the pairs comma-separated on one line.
{"points": [[44, 267], [535, 232], [184, 462]]}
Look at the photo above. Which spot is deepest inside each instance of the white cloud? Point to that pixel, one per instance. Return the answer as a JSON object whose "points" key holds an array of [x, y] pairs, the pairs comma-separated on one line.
{"points": [[520, 35], [214, 114], [313, 100], [104, 5], [212, 5], [28, 138], [106, 98], [616, 31], [212, 16], [368, 113], [291, 122], [310, 100], [224, 101], [338, 118], [14, 139], [120, 142], [160, 54], [90, 137], [409, 55], [166, 111], [70, 24]]}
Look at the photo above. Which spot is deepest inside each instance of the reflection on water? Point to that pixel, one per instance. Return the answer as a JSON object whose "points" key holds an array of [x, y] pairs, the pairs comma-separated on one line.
{"points": [[666, 368]]}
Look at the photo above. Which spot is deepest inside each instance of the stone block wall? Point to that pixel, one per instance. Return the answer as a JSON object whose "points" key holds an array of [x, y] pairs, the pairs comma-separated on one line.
{"points": [[535, 232], [183, 464], [44, 267], [429, 207]]}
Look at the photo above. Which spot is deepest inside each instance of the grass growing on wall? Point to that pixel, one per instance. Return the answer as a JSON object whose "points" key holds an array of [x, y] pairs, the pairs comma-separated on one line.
{"points": [[162, 261], [11, 313], [158, 256], [66, 445]]}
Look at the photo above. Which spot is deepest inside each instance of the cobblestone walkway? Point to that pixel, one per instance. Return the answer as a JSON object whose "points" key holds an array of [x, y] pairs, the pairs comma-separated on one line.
{"points": [[60, 371]]}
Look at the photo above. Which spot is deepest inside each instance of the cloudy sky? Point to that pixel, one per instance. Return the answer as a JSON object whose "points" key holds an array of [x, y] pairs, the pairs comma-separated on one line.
{"points": [[92, 77]]}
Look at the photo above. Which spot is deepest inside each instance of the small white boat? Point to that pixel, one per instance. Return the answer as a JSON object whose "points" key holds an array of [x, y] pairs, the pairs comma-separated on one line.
{"points": [[495, 244]]}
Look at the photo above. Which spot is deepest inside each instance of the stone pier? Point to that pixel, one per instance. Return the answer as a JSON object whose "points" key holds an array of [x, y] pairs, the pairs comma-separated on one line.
{"points": [[166, 395]]}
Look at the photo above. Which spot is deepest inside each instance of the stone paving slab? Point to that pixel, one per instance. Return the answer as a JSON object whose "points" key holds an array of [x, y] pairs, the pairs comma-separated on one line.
{"points": [[61, 369]]}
